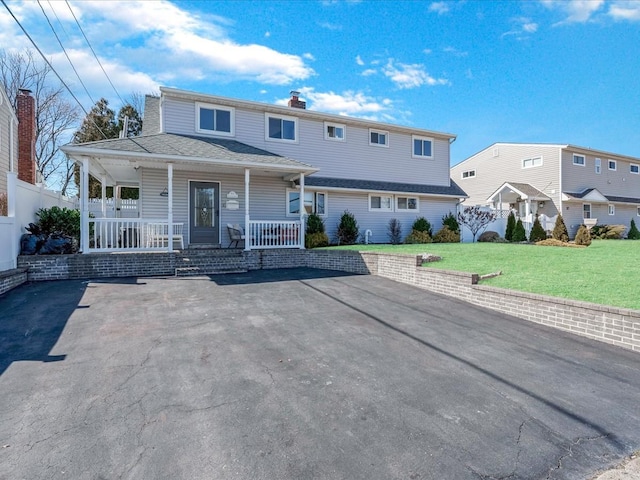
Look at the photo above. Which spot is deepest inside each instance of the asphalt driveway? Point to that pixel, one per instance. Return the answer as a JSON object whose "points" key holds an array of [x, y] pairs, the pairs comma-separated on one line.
{"points": [[299, 374]]}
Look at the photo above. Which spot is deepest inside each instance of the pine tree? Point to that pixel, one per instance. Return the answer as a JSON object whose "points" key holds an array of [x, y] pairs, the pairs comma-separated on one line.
{"points": [[511, 224], [519, 234], [634, 233], [537, 232], [560, 230]]}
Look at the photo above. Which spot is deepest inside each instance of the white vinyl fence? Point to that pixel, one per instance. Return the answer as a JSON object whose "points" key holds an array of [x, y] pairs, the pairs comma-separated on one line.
{"points": [[500, 224], [24, 201]]}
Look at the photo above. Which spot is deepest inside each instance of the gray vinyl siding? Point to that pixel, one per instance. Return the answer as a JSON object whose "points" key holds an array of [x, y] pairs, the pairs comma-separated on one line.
{"points": [[624, 213], [492, 171], [354, 158]]}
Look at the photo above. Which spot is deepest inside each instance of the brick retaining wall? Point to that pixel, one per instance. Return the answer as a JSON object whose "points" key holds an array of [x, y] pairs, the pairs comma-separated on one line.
{"points": [[12, 278], [612, 325]]}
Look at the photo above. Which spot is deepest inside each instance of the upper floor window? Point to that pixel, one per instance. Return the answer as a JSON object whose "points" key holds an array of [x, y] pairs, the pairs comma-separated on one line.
{"points": [[612, 209], [334, 131], [422, 147], [381, 203], [281, 128], [378, 137], [612, 165], [578, 160], [598, 166], [638, 212], [314, 202], [469, 174], [633, 168], [586, 210], [407, 203], [215, 119], [532, 162]]}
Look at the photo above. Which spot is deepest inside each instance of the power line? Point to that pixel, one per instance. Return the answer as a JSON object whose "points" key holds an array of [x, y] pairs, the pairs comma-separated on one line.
{"points": [[52, 69], [65, 52], [94, 53]]}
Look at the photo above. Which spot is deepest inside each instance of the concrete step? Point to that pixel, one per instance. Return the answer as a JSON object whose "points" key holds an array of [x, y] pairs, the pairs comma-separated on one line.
{"points": [[196, 271]]}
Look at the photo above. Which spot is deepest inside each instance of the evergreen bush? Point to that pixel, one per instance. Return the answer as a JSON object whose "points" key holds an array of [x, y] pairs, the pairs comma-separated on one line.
{"points": [[450, 221], [519, 234], [317, 239], [314, 224], [395, 231], [634, 233], [446, 235], [61, 221], [607, 232], [560, 230], [583, 237], [348, 229], [417, 236], [537, 232], [422, 225], [511, 225]]}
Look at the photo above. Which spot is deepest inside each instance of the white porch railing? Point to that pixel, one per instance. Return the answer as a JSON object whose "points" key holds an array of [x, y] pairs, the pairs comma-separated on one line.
{"points": [[131, 234], [274, 234]]}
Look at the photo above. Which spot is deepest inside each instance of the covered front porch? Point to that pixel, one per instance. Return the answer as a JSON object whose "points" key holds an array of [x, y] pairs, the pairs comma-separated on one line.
{"points": [[525, 202], [188, 201]]}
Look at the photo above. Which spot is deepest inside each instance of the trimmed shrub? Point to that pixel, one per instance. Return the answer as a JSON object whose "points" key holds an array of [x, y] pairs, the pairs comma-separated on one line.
{"points": [[511, 225], [317, 239], [395, 231], [560, 230], [519, 234], [62, 221], [450, 221], [348, 229], [446, 235], [422, 225], [634, 233], [537, 232], [490, 236], [583, 237], [607, 232], [314, 224], [417, 236]]}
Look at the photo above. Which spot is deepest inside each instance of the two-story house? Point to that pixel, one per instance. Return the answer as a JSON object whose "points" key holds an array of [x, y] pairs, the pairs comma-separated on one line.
{"points": [[585, 185], [204, 162], [8, 139]]}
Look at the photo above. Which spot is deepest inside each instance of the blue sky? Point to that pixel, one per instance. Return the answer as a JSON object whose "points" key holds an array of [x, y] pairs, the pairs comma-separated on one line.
{"points": [[489, 71]]}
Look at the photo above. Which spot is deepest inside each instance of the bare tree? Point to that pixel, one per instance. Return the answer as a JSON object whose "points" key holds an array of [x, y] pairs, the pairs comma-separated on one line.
{"points": [[476, 219], [56, 117]]}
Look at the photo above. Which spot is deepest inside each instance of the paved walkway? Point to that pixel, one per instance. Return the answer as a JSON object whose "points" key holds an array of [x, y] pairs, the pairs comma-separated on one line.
{"points": [[299, 374]]}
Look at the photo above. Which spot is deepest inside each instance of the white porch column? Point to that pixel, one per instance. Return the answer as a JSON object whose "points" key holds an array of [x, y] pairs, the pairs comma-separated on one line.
{"points": [[84, 206], [247, 226], [103, 181], [303, 226], [170, 207]]}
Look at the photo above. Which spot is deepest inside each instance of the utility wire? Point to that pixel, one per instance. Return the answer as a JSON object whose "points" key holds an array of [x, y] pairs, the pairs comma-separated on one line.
{"points": [[94, 53], [53, 69], [65, 52]]}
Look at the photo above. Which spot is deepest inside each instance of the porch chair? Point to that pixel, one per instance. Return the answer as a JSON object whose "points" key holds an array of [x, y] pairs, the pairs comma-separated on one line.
{"points": [[236, 233]]}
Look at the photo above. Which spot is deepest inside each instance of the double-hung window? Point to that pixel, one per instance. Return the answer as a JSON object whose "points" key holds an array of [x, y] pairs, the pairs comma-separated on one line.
{"points": [[633, 168], [280, 128], [381, 203], [379, 138], [579, 160], [612, 165], [407, 204], [314, 202], [334, 131], [422, 147], [598, 166], [215, 119], [612, 209], [586, 210]]}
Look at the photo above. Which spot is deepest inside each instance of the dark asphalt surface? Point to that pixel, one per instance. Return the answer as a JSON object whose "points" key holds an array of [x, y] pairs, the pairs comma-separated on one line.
{"points": [[299, 374]]}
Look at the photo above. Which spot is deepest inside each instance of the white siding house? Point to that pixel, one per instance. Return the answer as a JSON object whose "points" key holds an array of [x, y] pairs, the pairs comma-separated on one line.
{"points": [[585, 185], [205, 161]]}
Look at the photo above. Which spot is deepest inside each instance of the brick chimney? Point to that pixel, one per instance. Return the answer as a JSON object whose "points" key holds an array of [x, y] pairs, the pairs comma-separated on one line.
{"points": [[26, 113], [294, 102]]}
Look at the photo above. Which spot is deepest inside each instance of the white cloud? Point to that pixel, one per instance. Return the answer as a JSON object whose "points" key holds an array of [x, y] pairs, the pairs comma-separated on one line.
{"points": [[522, 28], [626, 10], [454, 51], [308, 56], [267, 34], [439, 7], [359, 60], [330, 26], [427, 51], [410, 75], [347, 103], [576, 11], [368, 72]]}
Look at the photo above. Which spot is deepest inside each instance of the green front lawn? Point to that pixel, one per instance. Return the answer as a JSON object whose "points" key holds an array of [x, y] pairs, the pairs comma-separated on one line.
{"points": [[607, 272]]}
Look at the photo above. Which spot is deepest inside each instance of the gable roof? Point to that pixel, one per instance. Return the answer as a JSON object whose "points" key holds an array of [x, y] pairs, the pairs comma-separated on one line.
{"points": [[522, 190], [590, 194], [452, 190]]}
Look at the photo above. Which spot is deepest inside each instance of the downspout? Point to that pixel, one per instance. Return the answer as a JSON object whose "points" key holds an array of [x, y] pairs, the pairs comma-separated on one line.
{"points": [[560, 182]]}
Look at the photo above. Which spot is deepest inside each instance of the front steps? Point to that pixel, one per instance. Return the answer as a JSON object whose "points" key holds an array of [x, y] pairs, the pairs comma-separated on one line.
{"points": [[214, 261]]}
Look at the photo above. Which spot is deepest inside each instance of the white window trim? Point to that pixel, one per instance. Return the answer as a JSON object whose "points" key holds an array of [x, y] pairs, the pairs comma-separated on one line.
{"points": [[211, 106], [611, 209], [268, 115], [638, 211], [590, 211], [597, 166], [306, 190], [398, 209], [336, 125], [462, 177], [385, 133], [584, 160], [637, 168], [615, 165], [381, 195], [533, 164], [418, 137]]}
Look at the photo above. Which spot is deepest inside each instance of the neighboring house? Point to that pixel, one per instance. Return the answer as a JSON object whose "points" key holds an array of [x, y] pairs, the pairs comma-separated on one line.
{"points": [[203, 162], [585, 185], [8, 139]]}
